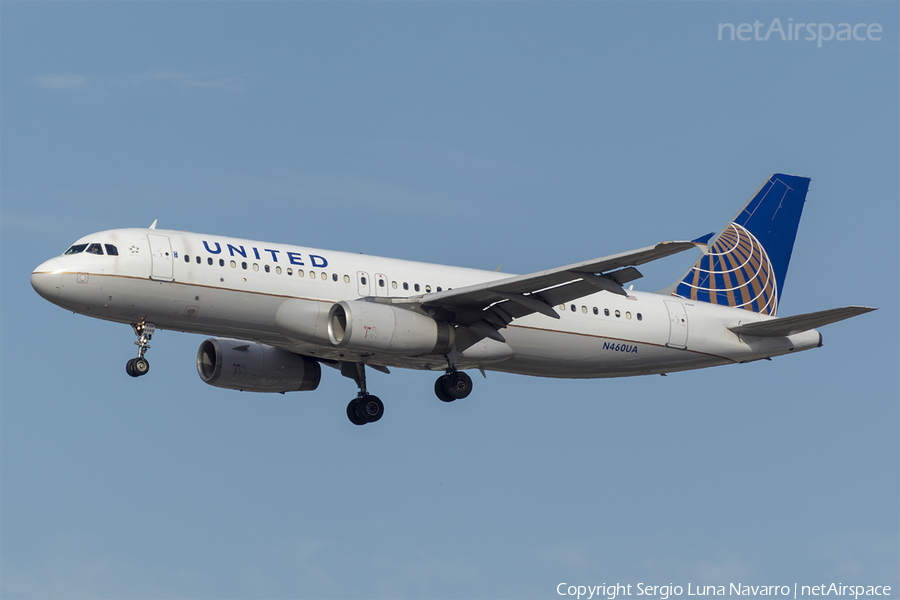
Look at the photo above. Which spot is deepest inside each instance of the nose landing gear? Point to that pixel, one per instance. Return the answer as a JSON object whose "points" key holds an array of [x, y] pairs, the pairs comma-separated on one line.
{"points": [[140, 365]]}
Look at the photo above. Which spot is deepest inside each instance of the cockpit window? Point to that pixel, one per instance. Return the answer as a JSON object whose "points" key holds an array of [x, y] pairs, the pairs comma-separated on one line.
{"points": [[111, 250], [76, 249], [95, 249]]}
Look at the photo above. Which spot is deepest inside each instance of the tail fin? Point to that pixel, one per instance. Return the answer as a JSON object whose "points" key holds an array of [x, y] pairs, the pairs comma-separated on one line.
{"points": [[746, 263]]}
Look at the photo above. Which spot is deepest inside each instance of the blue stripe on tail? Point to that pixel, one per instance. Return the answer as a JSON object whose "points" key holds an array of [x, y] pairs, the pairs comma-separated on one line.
{"points": [[746, 263]]}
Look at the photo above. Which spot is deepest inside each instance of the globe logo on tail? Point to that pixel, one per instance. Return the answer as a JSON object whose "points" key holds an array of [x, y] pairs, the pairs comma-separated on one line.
{"points": [[736, 271]]}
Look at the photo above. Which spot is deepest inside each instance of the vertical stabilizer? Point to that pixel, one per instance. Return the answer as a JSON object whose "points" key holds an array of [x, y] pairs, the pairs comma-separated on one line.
{"points": [[746, 263]]}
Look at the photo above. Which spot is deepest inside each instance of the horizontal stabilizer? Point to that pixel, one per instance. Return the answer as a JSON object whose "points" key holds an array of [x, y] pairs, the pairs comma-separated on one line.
{"points": [[798, 323]]}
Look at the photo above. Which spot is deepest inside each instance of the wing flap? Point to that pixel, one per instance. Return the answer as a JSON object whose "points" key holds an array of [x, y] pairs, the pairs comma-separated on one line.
{"points": [[785, 326]]}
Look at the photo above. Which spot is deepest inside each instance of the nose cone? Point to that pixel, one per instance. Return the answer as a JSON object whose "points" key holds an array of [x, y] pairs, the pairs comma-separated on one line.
{"points": [[47, 279]]}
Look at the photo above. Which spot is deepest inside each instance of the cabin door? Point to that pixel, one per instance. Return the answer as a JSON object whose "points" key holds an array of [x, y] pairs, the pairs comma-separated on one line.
{"points": [[161, 262], [678, 325]]}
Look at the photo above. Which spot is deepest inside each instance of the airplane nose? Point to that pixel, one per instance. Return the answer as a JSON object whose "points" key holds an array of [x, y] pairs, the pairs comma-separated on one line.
{"points": [[47, 279]]}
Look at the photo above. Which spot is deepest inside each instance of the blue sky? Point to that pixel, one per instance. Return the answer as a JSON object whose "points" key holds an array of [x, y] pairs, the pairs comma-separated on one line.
{"points": [[473, 134]]}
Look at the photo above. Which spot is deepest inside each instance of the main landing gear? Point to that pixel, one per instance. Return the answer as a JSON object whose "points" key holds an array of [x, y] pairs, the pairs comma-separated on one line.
{"points": [[140, 366], [365, 408], [454, 385]]}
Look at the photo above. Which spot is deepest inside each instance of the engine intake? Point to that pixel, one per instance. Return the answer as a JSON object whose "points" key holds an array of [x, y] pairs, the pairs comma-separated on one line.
{"points": [[252, 367], [369, 326]]}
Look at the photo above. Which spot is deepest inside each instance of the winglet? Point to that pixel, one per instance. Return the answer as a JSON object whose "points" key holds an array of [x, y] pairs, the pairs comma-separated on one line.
{"points": [[153, 225]]}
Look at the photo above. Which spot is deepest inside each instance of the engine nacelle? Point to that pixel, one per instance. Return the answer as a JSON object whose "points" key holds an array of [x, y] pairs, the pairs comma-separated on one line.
{"points": [[372, 327], [304, 320], [252, 367]]}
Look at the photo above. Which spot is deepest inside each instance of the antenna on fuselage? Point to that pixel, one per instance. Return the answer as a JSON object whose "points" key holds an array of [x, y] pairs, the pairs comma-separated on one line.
{"points": [[153, 225]]}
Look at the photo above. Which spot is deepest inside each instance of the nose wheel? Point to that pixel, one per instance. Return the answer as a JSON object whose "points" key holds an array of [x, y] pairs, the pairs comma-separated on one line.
{"points": [[137, 367], [140, 365]]}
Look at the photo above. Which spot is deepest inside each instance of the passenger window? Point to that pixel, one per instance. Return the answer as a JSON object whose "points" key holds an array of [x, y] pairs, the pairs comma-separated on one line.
{"points": [[584, 309], [628, 314], [405, 286], [640, 318], [334, 276], [312, 274], [290, 271], [95, 249], [209, 261], [606, 312], [77, 249], [300, 273], [439, 288], [277, 270], [233, 265], [428, 288], [618, 314], [111, 250], [244, 266], [255, 267], [562, 307], [346, 279], [187, 258], [394, 284], [362, 280], [324, 276], [222, 262], [416, 287], [596, 312], [381, 283], [573, 308], [198, 260]]}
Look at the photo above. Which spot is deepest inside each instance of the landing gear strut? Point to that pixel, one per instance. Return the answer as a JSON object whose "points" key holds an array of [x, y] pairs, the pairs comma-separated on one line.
{"points": [[365, 408], [454, 385], [140, 366]]}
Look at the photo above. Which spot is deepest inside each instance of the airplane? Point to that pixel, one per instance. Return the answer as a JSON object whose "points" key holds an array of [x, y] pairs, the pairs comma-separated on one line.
{"points": [[278, 312]]}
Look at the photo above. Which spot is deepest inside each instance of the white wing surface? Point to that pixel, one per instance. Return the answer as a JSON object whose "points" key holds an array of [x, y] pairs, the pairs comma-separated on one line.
{"points": [[487, 307]]}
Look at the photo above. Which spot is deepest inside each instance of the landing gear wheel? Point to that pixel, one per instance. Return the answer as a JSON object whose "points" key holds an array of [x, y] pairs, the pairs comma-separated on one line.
{"points": [[140, 366], [457, 384], [137, 367], [440, 390], [369, 408], [351, 412]]}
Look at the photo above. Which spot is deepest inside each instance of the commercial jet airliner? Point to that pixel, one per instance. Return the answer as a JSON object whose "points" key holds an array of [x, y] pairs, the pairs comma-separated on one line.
{"points": [[278, 312]]}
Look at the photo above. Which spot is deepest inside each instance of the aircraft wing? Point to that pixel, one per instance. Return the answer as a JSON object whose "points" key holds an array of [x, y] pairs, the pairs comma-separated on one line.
{"points": [[798, 323], [487, 307]]}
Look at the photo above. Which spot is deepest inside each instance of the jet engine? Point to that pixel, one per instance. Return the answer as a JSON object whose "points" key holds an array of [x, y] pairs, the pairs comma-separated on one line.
{"points": [[303, 320], [372, 327], [252, 367]]}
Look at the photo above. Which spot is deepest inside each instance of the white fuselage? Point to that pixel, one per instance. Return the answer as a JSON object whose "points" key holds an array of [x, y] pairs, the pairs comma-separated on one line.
{"points": [[228, 287]]}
